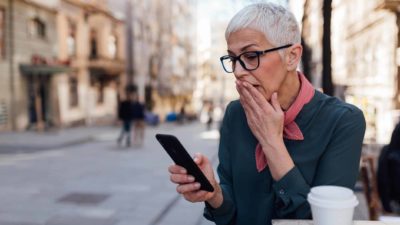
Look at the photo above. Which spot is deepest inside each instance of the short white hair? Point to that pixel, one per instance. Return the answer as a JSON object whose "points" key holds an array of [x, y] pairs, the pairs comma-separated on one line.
{"points": [[277, 23]]}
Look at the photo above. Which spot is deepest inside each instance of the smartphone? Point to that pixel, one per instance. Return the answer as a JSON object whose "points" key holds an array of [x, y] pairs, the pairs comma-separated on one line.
{"points": [[181, 157]]}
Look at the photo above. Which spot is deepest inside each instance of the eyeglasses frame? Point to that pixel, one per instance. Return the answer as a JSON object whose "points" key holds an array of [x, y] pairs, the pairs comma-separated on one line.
{"points": [[237, 58]]}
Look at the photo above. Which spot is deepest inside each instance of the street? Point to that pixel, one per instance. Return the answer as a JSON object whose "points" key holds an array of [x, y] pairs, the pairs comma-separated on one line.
{"points": [[98, 183], [81, 176]]}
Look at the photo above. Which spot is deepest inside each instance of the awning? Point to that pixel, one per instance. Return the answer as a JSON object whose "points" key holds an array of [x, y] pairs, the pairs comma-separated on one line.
{"points": [[30, 69]]}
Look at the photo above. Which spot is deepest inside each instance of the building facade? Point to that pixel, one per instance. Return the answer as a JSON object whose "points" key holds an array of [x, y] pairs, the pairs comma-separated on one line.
{"points": [[93, 42], [214, 86], [365, 58], [164, 53], [28, 29], [62, 63]]}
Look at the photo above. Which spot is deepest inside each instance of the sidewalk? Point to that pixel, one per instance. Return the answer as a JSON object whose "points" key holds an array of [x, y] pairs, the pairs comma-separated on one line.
{"points": [[32, 141]]}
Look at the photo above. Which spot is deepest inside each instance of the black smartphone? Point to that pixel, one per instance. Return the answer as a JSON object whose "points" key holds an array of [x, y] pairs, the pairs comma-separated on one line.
{"points": [[181, 157]]}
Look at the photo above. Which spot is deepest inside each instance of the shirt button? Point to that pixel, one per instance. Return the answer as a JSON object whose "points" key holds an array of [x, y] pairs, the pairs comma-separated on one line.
{"points": [[281, 192]]}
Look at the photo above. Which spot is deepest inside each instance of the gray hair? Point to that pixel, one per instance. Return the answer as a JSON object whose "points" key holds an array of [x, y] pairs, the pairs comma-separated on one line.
{"points": [[277, 23]]}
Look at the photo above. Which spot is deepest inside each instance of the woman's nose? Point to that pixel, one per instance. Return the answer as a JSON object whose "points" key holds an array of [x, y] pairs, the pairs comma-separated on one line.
{"points": [[239, 71]]}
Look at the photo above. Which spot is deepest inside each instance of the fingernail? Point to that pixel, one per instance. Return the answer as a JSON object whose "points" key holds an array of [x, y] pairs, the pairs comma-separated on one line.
{"points": [[183, 171], [196, 185], [191, 179]]}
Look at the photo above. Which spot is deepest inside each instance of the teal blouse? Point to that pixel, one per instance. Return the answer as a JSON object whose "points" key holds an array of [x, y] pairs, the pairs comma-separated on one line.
{"points": [[329, 155]]}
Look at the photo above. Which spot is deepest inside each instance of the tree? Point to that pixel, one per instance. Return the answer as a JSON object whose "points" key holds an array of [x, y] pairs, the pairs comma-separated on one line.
{"points": [[307, 51], [327, 83]]}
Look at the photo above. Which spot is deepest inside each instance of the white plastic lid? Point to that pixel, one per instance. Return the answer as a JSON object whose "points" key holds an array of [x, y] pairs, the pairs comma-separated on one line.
{"points": [[329, 196], [349, 203], [332, 192]]}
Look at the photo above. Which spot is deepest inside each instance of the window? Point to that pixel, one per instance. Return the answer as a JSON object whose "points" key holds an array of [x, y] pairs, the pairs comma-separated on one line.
{"points": [[71, 39], [93, 44], [2, 33], [37, 28], [100, 92], [73, 91], [98, 83], [112, 46]]}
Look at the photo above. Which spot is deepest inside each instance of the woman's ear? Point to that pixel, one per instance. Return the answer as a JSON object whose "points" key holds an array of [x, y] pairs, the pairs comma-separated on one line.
{"points": [[293, 56]]}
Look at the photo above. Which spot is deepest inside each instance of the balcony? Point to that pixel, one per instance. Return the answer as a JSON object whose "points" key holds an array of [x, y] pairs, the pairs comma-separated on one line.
{"points": [[393, 5], [108, 66]]}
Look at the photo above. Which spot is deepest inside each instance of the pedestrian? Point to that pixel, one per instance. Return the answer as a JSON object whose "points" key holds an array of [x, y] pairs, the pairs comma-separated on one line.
{"points": [[125, 115], [389, 172], [139, 124], [281, 137], [210, 116], [182, 114]]}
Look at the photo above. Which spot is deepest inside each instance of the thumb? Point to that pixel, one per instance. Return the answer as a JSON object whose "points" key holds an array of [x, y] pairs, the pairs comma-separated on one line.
{"points": [[198, 158]]}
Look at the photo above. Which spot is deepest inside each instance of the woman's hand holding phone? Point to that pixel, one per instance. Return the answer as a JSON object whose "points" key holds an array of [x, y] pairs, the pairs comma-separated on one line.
{"points": [[190, 189]]}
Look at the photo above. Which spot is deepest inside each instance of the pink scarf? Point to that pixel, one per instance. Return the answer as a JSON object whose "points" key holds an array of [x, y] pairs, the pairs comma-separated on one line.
{"points": [[291, 130]]}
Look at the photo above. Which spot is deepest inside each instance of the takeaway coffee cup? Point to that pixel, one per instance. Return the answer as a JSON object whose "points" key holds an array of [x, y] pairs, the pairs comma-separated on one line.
{"points": [[332, 205]]}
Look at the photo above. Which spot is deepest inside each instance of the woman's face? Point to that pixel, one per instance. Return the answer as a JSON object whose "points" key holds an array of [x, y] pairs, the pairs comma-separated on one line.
{"points": [[271, 73]]}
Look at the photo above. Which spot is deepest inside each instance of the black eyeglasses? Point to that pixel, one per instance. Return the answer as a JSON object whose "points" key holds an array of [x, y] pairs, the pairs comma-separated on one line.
{"points": [[248, 60]]}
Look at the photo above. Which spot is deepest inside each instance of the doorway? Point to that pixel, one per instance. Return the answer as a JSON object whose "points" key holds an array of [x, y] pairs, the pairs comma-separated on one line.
{"points": [[38, 102]]}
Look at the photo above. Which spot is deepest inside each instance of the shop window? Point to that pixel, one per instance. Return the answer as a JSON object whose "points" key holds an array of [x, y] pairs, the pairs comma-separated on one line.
{"points": [[71, 39], [37, 28], [73, 91]]}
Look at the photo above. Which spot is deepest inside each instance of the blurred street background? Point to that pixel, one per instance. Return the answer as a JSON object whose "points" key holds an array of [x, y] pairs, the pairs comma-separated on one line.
{"points": [[80, 176], [65, 65]]}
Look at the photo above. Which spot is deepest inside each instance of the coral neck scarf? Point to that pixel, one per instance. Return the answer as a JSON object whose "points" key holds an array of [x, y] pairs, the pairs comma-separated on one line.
{"points": [[291, 130]]}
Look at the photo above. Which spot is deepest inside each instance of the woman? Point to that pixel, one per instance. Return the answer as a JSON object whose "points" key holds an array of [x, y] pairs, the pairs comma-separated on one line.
{"points": [[281, 137]]}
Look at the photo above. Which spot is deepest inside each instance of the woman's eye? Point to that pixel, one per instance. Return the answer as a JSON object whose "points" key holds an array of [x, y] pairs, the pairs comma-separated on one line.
{"points": [[250, 56]]}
